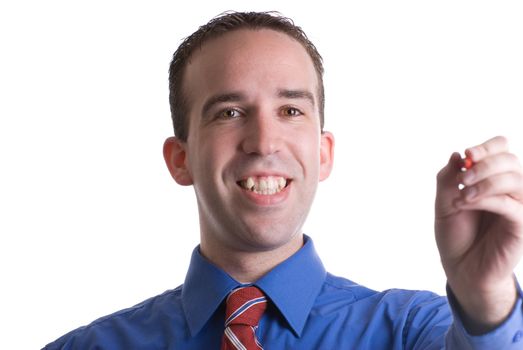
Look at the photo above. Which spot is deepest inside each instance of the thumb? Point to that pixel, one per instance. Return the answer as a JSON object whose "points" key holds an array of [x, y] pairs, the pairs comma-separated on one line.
{"points": [[447, 186]]}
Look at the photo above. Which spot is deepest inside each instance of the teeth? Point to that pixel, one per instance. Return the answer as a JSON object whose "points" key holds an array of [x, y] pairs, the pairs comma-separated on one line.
{"points": [[264, 185], [249, 183]]}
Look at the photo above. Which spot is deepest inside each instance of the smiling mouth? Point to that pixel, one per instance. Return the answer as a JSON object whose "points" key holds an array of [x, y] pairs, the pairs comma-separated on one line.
{"points": [[265, 185]]}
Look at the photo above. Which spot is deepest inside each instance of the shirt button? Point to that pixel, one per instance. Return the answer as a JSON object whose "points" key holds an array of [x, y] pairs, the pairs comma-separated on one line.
{"points": [[517, 337]]}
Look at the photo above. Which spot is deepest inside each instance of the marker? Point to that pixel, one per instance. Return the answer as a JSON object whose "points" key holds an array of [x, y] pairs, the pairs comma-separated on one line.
{"points": [[467, 163]]}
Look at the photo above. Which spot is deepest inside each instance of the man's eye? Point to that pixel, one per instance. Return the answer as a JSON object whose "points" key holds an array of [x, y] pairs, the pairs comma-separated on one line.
{"points": [[229, 114], [291, 112]]}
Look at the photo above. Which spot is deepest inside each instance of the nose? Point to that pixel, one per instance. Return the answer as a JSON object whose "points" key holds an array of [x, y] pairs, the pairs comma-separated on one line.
{"points": [[263, 134]]}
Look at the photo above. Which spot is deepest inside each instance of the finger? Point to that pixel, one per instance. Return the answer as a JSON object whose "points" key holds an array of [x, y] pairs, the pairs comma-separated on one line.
{"points": [[447, 186], [510, 184], [503, 205], [490, 147], [447, 175], [496, 164]]}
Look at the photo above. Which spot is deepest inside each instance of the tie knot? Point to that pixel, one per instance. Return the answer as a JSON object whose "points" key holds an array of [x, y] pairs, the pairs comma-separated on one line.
{"points": [[245, 306]]}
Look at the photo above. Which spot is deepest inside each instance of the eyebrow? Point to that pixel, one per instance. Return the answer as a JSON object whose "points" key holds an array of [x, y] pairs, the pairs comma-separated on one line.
{"points": [[297, 94], [221, 98]]}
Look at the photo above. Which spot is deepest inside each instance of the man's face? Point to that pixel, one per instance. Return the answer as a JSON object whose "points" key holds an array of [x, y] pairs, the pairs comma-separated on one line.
{"points": [[254, 151]]}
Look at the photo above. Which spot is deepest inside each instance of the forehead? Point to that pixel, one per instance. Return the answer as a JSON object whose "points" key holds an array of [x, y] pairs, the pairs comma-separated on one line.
{"points": [[253, 61]]}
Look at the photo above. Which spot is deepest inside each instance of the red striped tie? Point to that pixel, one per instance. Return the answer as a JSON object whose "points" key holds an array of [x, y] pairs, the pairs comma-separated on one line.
{"points": [[244, 309]]}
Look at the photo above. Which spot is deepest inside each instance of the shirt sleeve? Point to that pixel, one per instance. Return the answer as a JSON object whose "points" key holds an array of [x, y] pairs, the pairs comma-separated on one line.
{"points": [[508, 336]]}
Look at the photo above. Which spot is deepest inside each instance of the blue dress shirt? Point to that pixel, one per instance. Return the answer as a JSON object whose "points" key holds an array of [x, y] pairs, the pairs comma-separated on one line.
{"points": [[308, 309]]}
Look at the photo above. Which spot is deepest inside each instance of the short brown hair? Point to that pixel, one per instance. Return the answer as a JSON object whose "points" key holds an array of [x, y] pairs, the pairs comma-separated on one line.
{"points": [[224, 23]]}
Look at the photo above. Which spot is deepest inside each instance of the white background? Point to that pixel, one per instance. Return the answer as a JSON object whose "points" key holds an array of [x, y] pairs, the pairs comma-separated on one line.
{"points": [[90, 220]]}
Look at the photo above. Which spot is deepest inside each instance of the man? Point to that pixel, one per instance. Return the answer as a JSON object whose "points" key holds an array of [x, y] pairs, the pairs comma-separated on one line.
{"points": [[246, 96]]}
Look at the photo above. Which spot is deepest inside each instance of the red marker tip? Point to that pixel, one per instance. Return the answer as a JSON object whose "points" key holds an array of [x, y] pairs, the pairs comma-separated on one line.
{"points": [[467, 163]]}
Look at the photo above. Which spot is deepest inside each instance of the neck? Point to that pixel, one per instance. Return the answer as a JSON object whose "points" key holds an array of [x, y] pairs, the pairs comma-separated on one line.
{"points": [[247, 266]]}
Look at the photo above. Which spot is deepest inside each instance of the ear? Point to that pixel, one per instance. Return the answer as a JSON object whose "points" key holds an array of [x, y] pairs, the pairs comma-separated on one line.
{"points": [[174, 153], [326, 154]]}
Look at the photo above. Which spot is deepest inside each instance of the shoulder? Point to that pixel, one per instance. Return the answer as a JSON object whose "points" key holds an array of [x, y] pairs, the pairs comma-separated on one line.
{"points": [[346, 292], [357, 291], [408, 315], [111, 331]]}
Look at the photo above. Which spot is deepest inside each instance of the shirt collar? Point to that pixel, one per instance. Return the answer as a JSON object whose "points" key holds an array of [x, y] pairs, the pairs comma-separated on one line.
{"points": [[204, 289], [292, 286]]}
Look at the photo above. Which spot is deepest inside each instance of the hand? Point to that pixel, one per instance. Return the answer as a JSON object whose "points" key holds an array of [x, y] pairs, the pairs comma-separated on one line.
{"points": [[479, 231]]}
